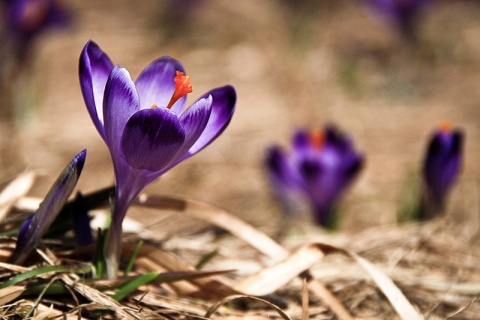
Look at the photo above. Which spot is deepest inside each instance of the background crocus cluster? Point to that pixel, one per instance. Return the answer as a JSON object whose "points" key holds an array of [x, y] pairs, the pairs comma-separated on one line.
{"points": [[441, 168], [145, 125], [320, 167]]}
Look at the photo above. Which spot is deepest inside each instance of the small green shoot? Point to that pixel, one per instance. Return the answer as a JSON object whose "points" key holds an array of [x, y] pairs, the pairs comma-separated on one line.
{"points": [[100, 265], [134, 284], [39, 298], [133, 258], [205, 259]]}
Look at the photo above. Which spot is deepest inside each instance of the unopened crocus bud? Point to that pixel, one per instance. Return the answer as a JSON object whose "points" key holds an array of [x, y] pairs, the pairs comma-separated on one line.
{"points": [[441, 168]]}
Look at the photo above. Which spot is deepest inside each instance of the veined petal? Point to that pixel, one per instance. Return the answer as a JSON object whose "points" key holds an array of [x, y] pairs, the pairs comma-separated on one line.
{"points": [[194, 120], [152, 138], [120, 102], [94, 68], [155, 84], [223, 106], [35, 226]]}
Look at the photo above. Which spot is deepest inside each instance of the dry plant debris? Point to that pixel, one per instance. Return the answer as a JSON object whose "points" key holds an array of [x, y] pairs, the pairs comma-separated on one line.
{"points": [[402, 272]]}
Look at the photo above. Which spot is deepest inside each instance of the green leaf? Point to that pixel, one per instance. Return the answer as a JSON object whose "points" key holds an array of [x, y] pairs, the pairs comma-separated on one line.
{"points": [[100, 265], [45, 269], [133, 258], [134, 284], [205, 259]]}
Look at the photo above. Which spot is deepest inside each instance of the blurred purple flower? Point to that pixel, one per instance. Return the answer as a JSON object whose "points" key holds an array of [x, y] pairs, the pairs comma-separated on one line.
{"points": [[320, 166], [145, 126], [403, 14], [25, 19], [441, 168], [35, 226]]}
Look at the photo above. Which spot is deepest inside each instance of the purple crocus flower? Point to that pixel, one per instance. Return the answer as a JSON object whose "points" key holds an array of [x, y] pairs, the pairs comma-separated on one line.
{"points": [[320, 166], [35, 226], [441, 168], [25, 19], [145, 126], [403, 14]]}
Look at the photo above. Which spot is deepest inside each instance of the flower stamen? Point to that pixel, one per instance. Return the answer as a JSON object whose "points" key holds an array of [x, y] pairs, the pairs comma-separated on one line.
{"points": [[182, 87], [33, 14], [445, 126], [317, 138]]}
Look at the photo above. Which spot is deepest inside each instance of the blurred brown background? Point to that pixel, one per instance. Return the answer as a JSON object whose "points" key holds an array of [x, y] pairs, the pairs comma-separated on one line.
{"points": [[330, 62]]}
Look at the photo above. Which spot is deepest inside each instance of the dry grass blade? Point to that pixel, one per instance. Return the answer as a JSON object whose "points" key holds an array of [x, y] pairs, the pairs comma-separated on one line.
{"points": [[305, 305], [398, 300], [272, 278], [13, 267], [103, 300], [236, 297], [10, 293], [14, 191]]}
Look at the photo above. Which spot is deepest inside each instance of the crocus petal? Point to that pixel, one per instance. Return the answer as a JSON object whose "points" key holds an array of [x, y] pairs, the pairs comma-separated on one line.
{"points": [[194, 121], [120, 102], [443, 162], [223, 106], [282, 179], [300, 140], [34, 228], [94, 68], [155, 84], [278, 167], [152, 139]]}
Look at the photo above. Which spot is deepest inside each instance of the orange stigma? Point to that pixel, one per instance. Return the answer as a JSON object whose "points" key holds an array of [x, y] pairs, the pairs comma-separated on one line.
{"points": [[317, 138], [33, 14], [182, 87], [445, 126]]}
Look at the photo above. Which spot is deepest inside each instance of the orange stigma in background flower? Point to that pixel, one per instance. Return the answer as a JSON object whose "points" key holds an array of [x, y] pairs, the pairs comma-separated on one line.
{"points": [[317, 138], [445, 126], [33, 14], [182, 87]]}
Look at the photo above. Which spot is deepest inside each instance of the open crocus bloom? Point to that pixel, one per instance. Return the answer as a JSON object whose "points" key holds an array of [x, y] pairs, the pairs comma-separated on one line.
{"points": [[441, 168], [145, 125], [320, 166]]}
